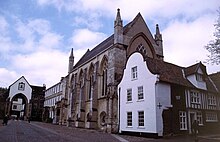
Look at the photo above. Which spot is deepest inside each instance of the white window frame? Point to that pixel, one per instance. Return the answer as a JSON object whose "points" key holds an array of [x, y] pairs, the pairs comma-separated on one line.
{"points": [[129, 95], [183, 120], [129, 119], [140, 93], [199, 117], [211, 117], [140, 118], [195, 99], [211, 100], [134, 73]]}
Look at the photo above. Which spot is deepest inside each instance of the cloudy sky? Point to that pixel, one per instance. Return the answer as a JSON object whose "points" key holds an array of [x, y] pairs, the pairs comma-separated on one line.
{"points": [[36, 36]]}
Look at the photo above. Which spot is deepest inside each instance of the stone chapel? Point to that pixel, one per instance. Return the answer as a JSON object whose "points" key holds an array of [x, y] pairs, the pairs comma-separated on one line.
{"points": [[91, 93]]}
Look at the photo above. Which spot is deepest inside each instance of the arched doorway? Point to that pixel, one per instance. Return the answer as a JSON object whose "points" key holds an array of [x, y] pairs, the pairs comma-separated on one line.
{"points": [[19, 106]]}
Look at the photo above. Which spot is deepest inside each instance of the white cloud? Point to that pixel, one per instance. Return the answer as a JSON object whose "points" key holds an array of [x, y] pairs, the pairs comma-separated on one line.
{"points": [[7, 77], [184, 41], [3, 25], [35, 55], [32, 29], [42, 67], [5, 40], [69, 5], [84, 38], [36, 34], [129, 8], [6, 45], [40, 56], [40, 26], [90, 21], [50, 40]]}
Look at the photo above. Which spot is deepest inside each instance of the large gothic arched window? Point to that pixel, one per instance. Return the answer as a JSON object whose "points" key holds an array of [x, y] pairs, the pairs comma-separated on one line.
{"points": [[104, 76], [81, 83], [91, 82]]}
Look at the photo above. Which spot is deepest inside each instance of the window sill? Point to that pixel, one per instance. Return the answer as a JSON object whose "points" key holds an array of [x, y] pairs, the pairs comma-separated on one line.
{"points": [[129, 127], [183, 129], [133, 79], [141, 127], [212, 105], [129, 102], [141, 100], [211, 121]]}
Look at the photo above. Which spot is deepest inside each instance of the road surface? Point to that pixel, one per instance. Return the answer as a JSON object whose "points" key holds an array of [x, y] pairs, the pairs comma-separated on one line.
{"points": [[22, 131]]}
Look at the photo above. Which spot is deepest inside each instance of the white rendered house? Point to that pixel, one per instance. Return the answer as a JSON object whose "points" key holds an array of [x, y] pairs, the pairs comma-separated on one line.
{"points": [[53, 95], [160, 98], [141, 98]]}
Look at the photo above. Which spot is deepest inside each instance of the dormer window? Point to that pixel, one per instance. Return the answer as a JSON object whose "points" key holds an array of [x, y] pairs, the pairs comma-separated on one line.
{"points": [[199, 77]]}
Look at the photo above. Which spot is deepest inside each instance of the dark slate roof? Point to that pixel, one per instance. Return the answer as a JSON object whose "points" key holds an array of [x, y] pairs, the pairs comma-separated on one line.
{"points": [[174, 74], [210, 85], [104, 45], [168, 72], [95, 51], [193, 69], [216, 79]]}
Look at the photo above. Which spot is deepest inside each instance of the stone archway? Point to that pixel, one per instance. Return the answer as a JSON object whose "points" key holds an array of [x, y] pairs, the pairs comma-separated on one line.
{"points": [[19, 107]]}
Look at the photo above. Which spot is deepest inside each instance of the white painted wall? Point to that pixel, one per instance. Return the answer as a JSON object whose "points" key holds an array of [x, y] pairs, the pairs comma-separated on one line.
{"points": [[147, 80], [53, 94], [52, 100], [53, 90], [18, 105], [163, 97], [14, 89]]}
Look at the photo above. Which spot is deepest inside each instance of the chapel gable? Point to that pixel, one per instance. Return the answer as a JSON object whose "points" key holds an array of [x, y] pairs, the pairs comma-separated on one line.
{"points": [[138, 38]]}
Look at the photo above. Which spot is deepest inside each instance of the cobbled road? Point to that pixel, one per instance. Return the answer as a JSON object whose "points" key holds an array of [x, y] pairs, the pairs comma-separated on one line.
{"points": [[22, 131]]}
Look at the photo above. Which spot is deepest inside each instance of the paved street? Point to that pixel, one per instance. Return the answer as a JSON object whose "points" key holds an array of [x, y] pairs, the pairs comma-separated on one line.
{"points": [[22, 131]]}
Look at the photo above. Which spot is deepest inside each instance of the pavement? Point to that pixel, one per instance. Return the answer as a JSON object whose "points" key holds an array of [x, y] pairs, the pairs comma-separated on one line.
{"points": [[59, 132], [127, 138]]}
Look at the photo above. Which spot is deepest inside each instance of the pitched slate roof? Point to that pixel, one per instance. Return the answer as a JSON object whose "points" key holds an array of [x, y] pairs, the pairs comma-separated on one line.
{"points": [[168, 72], [174, 74], [95, 51], [216, 79], [193, 69], [107, 43]]}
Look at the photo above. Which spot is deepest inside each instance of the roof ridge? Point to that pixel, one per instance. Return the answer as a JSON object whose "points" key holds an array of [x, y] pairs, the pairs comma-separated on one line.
{"points": [[90, 52], [19, 79]]}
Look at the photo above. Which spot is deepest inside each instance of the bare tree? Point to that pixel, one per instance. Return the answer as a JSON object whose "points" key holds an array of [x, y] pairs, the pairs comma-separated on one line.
{"points": [[214, 45]]}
